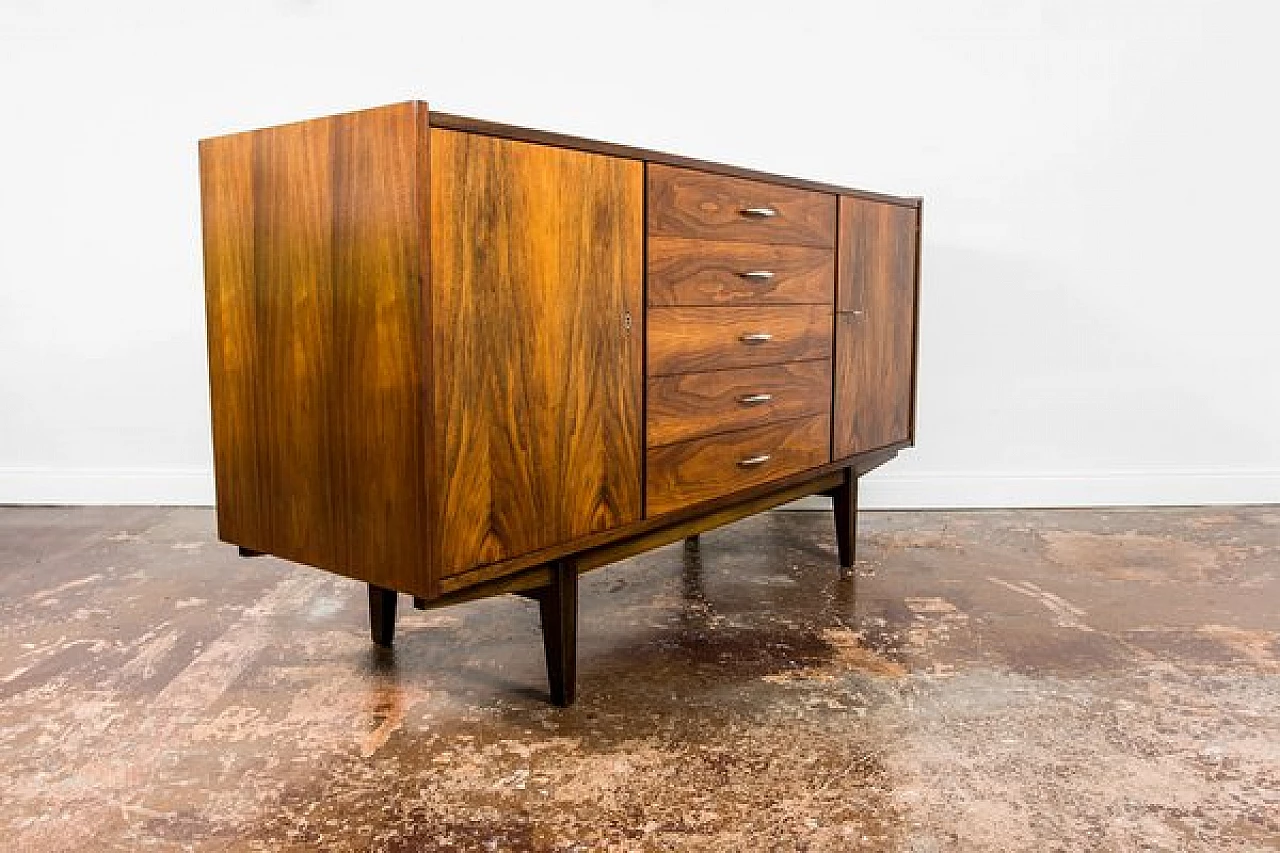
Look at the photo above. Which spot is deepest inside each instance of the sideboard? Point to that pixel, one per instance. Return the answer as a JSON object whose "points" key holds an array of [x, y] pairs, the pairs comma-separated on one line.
{"points": [[454, 359]]}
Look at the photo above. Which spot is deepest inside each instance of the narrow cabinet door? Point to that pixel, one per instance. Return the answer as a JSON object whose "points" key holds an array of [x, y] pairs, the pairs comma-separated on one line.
{"points": [[875, 325], [536, 350]]}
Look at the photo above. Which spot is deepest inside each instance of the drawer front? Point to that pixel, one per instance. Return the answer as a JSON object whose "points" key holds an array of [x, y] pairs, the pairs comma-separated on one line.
{"points": [[689, 203], [691, 472], [700, 404], [706, 272], [692, 340]]}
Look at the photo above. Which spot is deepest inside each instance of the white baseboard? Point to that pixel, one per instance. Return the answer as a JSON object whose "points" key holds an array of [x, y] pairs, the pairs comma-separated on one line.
{"points": [[878, 490], [107, 486], [1020, 491]]}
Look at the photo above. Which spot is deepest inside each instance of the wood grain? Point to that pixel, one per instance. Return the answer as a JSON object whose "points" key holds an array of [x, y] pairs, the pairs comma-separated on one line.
{"points": [[537, 261], [693, 405], [619, 536], [692, 203], [875, 342], [631, 152], [226, 192], [688, 473], [692, 340], [877, 251], [707, 272], [312, 268]]}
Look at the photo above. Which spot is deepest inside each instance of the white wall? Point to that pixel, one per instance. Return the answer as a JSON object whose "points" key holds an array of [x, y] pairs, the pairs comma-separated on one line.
{"points": [[1100, 309]]}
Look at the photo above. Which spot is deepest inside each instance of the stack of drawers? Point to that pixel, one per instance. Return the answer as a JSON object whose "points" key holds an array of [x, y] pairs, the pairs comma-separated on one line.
{"points": [[741, 288]]}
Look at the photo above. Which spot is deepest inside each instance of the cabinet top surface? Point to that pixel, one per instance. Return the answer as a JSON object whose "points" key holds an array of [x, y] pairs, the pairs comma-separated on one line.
{"points": [[449, 121]]}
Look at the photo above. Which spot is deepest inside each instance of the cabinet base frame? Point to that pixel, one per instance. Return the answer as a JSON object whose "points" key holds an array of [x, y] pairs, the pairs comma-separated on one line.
{"points": [[554, 585]]}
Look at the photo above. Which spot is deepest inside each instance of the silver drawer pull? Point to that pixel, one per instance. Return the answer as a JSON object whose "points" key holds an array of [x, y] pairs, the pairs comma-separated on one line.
{"points": [[759, 212], [753, 461], [755, 338], [757, 275], [754, 399]]}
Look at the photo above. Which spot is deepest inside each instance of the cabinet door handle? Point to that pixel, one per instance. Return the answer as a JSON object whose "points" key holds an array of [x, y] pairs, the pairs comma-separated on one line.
{"points": [[755, 337], [757, 275], [759, 212], [754, 399], [754, 461]]}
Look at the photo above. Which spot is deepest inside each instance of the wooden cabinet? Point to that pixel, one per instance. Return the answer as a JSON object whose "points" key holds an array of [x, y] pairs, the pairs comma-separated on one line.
{"points": [[454, 359]]}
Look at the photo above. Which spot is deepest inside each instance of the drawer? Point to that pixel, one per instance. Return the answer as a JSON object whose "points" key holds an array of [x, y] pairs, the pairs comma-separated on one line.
{"points": [[683, 271], [689, 203], [680, 475], [693, 405], [692, 340]]}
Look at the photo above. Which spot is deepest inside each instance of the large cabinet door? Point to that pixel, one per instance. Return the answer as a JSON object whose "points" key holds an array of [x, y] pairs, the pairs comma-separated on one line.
{"points": [[875, 326], [536, 305]]}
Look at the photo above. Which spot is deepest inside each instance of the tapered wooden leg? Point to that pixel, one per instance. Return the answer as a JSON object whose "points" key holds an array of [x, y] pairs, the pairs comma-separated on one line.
{"points": [[558, 604], [382, 615], [845, 497], [249, 552]]}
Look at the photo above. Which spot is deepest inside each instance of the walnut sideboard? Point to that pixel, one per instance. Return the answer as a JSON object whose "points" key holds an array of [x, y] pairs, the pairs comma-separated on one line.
{"points": [[454, 359]]}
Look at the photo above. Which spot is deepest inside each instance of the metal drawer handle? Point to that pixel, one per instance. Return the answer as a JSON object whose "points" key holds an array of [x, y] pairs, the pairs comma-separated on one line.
{"points": [[753, 461], [759, 212], [757, 275], [755, 338], [754, 399]]}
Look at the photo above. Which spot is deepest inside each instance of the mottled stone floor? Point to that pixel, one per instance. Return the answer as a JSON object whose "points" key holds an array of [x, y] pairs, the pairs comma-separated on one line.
{"points": [[1069, 680]]}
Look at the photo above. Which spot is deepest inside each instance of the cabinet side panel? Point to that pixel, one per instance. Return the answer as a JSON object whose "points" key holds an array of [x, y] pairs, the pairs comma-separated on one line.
{"points": [[536, 264], [327, 324], [875, 326], [377, 334], [297, 376], [226, 195]]}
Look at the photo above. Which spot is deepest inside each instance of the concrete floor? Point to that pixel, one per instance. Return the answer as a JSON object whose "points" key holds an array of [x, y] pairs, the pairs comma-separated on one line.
{"points": [[1070, 680]]}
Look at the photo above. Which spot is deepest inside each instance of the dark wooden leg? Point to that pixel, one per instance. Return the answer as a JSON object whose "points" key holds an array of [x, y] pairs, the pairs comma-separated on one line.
{"points": [[558, 604], [382, 615], [249, 552], [846, 506], [419, 603]]}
